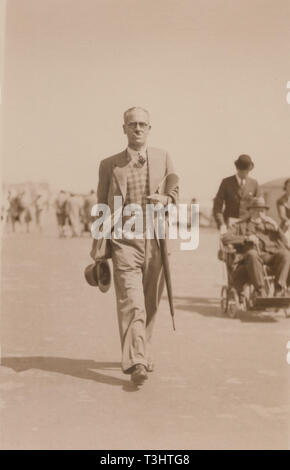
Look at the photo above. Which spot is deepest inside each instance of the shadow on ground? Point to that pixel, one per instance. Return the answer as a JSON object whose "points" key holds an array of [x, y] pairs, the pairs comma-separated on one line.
{"points": [[210, 307], [258, 317], [80, 368]]}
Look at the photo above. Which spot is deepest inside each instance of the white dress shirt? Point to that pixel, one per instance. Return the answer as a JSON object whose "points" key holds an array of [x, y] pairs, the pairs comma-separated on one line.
{"points": [[241, 181], [134, 154]]}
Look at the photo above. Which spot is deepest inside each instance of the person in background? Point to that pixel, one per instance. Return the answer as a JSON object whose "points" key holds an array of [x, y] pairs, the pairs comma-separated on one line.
{"points": [[40, 204], [61, 212], [26, 209], [89, 202], [73, 206], [234, 194], [15, 209], [283, 207], [262, 242], [5, 207]]}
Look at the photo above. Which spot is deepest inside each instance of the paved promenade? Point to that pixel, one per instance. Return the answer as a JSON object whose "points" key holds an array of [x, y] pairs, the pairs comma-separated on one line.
{"points": [[218, 384]]}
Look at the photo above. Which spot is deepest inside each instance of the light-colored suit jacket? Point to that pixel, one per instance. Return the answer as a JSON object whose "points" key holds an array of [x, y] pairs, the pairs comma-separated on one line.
{"points": [[113, 182]]}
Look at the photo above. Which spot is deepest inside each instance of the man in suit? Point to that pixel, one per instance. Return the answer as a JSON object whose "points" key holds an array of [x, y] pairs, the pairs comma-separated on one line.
{"points": [[234, 194], [135, 174], [262, 242]]}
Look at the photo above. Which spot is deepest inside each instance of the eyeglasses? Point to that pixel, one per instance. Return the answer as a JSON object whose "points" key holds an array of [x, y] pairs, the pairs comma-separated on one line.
{"points": [[142, 125]]}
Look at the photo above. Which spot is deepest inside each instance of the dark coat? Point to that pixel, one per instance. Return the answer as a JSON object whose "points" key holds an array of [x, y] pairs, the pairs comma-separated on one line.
{"points": [[232, 200], [270, 236]]}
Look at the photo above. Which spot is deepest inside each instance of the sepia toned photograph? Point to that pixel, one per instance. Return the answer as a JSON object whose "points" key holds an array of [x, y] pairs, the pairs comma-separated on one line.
{"points": [[145, 226]]}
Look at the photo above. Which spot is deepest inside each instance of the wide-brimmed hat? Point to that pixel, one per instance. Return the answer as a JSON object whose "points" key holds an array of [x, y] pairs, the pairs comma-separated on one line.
{"points": [[99, 274], [244, 162], [257, 203]]}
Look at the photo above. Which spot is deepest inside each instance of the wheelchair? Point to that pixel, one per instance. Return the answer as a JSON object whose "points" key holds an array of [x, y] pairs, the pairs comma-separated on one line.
{"points": [[231, 303]]}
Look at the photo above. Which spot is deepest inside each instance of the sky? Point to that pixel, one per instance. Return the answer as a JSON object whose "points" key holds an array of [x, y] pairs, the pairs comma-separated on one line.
{"points": [[212, 73]]}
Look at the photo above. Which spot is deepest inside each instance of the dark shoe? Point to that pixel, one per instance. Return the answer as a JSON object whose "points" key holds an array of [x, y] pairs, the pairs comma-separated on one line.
{"points": [[279, 291], [139, 374]]}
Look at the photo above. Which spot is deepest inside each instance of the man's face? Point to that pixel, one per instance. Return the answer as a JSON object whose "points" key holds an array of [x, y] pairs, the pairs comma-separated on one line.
{"points": [[256, 213], [243, 173], [137, 128]]}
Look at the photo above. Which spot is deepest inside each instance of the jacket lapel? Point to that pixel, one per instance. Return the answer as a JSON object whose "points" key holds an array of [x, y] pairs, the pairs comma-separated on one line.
{"points": [[235, 182], [120, 173]]}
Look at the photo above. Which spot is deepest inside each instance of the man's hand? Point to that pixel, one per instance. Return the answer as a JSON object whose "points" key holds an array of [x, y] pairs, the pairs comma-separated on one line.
{"points": [[162, 198], [252, 238], [223, 229], [93, 254]]}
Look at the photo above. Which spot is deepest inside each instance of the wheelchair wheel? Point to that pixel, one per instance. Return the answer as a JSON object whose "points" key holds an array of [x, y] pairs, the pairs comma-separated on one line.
{"points": [[224, 300], [233, 303]]}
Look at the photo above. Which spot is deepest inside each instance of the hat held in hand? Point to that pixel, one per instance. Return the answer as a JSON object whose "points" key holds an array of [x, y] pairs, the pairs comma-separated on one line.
{"points": [[99, 274]]}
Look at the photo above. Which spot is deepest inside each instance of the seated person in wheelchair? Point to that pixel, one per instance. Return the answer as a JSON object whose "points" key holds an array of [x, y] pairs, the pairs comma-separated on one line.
{"points": [[262, 242]]}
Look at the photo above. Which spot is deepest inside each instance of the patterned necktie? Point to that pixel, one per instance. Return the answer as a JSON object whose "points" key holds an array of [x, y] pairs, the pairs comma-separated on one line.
{"points": [[141, 159]]}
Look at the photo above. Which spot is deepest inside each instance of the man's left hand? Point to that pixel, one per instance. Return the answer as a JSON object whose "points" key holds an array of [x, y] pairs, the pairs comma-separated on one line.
{"points": [[162, 198]]}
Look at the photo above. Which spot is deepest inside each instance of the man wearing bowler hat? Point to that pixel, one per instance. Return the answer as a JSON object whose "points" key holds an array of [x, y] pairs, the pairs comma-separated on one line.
{"points": [[234, 194], [134, 175], [261, 242]]}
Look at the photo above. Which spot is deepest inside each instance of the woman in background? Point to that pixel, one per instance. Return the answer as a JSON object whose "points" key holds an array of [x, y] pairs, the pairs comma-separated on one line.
{"points": [[283, 207]]}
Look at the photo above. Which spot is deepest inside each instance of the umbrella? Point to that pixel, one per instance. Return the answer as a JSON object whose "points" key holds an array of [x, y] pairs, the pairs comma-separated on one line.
{"points": [[171, 183], [166, 270]]}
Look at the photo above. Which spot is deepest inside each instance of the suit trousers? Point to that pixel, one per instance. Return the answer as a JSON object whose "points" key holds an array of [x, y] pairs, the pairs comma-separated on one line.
{"points": [[251, 271], [139, 282]]}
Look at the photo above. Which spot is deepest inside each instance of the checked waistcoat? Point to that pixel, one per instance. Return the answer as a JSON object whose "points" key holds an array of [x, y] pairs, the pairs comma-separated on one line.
{"points": [[137, 184]]}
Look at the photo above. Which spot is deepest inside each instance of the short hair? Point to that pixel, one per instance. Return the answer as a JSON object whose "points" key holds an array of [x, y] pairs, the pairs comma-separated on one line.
{"points": [[134, 109]]}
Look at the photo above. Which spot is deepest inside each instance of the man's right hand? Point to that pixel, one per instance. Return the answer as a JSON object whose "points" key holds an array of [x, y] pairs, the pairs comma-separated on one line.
{"points": [[252, 238], [223, 229]]}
